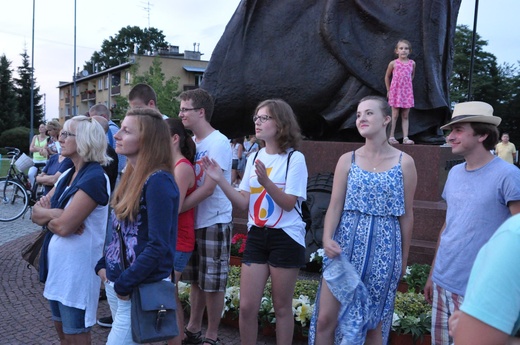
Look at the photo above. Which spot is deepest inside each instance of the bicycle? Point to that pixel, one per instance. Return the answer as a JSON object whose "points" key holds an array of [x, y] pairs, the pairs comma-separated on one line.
{"points": [[16, 193]]}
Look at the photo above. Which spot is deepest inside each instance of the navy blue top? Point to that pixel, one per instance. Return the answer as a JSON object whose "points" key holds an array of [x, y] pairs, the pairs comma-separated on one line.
{"points": [[53, 166], [150, 240]]}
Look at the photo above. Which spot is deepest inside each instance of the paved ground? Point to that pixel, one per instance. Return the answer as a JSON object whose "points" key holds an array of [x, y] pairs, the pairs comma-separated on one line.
{"points": [[24, 313]]}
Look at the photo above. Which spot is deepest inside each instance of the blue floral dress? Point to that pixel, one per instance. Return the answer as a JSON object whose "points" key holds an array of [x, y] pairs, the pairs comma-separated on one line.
{"points": [[369, 235]]}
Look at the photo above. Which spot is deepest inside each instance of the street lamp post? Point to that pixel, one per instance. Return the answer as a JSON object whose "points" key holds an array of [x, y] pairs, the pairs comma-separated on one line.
{"points": [[472, 61], [32, 79]]}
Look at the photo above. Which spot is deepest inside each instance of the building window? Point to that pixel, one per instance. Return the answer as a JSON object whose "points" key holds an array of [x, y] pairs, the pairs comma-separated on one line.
{"points": [[127, 77], [106, 83], [100, 84]]}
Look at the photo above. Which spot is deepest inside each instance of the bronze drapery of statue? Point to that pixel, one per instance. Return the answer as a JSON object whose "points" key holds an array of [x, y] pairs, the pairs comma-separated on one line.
{"points": [[323, 56]]}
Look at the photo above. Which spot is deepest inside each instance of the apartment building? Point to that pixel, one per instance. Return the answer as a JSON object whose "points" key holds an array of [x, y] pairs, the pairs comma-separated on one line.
{"points": [[104, 86]]}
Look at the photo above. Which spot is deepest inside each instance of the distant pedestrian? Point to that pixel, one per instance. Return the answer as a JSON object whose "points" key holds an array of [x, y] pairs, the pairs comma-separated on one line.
{"points": [[506, 149]]}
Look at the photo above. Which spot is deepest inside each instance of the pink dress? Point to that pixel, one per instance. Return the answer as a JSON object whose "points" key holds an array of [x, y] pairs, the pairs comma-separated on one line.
{"points": [[401, 89]]}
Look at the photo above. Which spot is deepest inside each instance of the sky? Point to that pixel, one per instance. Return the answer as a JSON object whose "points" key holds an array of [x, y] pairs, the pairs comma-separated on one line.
{"points": [[183, 22]]}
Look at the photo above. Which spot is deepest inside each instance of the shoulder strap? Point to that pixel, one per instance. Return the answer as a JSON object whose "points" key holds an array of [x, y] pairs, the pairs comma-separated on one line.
{"points": [[254, 158], [288, 160]]}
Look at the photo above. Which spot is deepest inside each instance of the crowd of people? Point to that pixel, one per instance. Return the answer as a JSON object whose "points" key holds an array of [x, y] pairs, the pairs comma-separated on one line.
{"points": [[122, 212]]}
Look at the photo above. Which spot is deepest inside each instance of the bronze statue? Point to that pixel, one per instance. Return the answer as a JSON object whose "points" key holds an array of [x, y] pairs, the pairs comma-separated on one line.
{"points": [[323, 56]]}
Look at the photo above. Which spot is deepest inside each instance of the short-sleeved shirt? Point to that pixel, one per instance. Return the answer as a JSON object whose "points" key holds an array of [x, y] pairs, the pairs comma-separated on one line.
{"points": [[263, 211], [477, 204], [215, 209], [493, 293]]}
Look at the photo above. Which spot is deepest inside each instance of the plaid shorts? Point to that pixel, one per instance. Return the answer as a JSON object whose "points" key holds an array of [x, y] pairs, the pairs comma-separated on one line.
{"points": [[443, 305], [209, 262]]}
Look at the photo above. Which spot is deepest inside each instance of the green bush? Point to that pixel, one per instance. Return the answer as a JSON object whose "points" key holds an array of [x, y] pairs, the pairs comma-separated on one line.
{"points": [[16, 137]]}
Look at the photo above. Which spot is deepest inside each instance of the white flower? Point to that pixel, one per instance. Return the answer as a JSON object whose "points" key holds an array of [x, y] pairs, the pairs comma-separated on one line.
{"points": [[318, 255], [395, 321], [302, 309]]}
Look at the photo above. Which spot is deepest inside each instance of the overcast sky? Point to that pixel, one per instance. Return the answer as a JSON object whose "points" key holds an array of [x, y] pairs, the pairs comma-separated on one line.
{"points": [[183, 22]]}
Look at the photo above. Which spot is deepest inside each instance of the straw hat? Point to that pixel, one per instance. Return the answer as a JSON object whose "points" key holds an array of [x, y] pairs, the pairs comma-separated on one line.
{"points": [[473, 112]]}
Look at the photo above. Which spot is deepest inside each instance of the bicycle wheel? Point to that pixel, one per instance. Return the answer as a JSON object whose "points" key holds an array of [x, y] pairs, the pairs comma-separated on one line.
{"points": [[13, 200]]}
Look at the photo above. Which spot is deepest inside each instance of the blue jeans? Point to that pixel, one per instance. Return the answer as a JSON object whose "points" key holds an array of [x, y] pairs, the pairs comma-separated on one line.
{"points": [[72, 319], [121, 332]]}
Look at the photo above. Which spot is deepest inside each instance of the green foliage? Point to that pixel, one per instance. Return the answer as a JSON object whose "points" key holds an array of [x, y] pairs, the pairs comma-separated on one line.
{"points": [[416, 276], [306, 288], [233, 276], [412, 314], [116, 50], [166, 90], [23, 91], [122, 107], [495, 84], [16, 137], [8, 104]]}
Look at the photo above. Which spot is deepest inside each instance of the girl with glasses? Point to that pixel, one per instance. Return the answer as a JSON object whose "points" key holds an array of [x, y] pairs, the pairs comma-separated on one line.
{"points": [[274, 184]]}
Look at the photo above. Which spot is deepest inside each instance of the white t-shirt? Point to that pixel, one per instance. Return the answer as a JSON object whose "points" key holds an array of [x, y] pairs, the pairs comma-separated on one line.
{"points": [[263, 211], [72, 280], [216, 208]]}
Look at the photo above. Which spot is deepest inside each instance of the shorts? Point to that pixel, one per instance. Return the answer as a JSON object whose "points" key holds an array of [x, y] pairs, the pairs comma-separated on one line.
{"points": [[274, 247], [445, 303], [234, 164], [181, 260], [209, 263], [72, 319]]}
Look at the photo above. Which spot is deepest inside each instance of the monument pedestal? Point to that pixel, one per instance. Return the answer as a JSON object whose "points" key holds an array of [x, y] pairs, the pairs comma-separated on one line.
{"points": [[432, 163]]}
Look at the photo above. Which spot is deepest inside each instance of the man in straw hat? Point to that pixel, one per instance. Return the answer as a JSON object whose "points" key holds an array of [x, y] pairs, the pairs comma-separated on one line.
{"points": [[481, 194]]}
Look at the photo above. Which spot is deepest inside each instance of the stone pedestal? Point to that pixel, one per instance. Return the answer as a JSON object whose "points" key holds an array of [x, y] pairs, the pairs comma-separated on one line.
{"points": [[432, 163]]}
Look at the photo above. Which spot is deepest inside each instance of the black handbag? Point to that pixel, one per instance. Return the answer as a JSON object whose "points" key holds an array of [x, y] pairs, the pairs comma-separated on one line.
{"points": [[32, 250], [153, 314]]}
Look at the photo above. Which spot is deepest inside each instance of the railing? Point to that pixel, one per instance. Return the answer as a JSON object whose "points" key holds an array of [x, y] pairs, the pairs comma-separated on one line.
{"points": [[116, 90]]}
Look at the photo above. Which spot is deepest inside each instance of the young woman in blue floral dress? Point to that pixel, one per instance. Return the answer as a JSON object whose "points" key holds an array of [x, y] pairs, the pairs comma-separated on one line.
{"points": [[369, 222]]}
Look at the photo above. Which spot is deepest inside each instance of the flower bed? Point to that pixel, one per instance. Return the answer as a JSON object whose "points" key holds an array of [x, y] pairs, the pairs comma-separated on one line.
{"points": [[412, 315], [303, 302]]}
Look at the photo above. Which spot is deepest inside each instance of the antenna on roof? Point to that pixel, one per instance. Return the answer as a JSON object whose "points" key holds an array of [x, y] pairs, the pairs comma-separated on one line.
{"points": [[147, 7]]}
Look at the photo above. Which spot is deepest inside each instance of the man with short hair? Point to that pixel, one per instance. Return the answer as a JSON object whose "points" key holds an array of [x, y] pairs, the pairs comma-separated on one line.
{"points": [[143, 95], [480, 194], [506, 149], [207, 270], [103, 111]]}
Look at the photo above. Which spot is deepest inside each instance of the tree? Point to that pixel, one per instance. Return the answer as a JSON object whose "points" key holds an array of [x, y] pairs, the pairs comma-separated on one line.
{"points": [[8, 102], [23, 91], [166, 90], [117, 49], [486, 78], [495, 84]]}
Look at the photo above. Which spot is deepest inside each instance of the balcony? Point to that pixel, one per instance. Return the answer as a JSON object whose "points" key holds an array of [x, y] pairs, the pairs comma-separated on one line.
{"points": [[116, 90]]}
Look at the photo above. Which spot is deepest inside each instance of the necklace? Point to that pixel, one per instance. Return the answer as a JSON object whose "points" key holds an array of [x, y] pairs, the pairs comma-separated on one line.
{"points": [[380, 161]]}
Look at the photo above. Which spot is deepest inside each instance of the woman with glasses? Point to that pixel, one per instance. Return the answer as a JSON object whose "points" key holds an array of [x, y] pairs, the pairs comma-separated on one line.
{"points": [[274, 184], [145, 208], [75, 211]]}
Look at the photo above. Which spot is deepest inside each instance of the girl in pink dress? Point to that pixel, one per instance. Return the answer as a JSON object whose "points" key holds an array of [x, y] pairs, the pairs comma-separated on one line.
{"points": [[400, 91]]}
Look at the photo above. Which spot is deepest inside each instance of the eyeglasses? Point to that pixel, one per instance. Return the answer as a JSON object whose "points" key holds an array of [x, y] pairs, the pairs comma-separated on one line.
{"points": [[185, 110], [65, 134], [263, 118]]}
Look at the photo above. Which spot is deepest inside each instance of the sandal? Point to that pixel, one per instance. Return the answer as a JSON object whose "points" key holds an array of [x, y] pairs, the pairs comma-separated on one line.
{"points": [[407, 141], [392, 141], [192, 338], [211, 341]]}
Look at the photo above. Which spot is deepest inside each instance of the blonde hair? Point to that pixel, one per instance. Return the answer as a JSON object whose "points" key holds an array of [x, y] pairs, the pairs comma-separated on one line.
{"points": [[91, 141], [51, 125], [405, 42], [154, 154]]}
